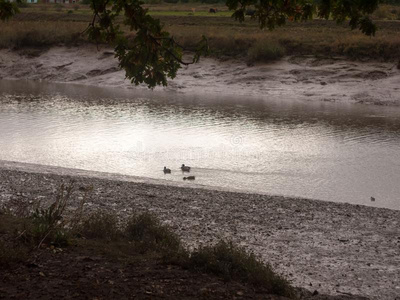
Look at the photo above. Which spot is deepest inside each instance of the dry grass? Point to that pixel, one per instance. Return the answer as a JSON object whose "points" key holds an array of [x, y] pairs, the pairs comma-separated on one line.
{"points": [[46, 25], [232, 262], [317, 38], [387, 12], [18, 34]]}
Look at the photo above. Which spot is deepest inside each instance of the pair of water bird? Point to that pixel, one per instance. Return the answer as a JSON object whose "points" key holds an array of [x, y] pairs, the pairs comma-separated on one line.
{"points": [[183, 168]]}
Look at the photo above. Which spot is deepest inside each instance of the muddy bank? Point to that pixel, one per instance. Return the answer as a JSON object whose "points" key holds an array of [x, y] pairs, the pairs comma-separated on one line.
{"points": [[305, 78], [333, 248]]}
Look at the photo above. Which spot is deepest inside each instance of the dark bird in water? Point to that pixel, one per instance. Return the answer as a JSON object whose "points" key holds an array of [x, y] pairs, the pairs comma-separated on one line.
{"points": [[189, 178], [372, 199], [185, 168], [167, 171]]}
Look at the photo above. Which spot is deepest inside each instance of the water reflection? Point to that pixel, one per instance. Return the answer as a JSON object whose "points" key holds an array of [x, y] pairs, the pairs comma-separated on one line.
{"points": [[328, 151]]}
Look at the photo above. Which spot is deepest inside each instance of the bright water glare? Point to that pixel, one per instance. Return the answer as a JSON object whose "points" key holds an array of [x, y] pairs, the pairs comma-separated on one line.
{"points": [[327, 151]]}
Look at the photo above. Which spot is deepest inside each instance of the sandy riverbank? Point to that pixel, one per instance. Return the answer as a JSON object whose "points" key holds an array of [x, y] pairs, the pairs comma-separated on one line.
{"points": [[330, 247], [304, 78]]}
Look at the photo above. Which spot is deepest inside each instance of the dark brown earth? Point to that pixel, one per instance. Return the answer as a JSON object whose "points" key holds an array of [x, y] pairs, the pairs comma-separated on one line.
{"points": [[94, 269], [81, 273]]}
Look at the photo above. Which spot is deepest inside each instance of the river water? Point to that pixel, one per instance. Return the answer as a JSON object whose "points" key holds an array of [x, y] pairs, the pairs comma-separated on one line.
{"points": [[334, 152]]}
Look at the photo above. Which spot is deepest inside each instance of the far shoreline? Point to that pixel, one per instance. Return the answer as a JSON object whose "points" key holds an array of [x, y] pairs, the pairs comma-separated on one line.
{"points": [[299, 77], [75, 172], [335, 248]]}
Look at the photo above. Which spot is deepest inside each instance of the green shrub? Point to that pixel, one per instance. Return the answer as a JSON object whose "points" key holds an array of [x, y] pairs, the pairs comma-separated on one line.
{"points": [[100, 225], [231, 262], [148, 234], [265, 51]]}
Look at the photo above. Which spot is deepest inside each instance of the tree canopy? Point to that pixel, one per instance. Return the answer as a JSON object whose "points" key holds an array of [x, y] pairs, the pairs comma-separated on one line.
{"points": [[152, 55]]}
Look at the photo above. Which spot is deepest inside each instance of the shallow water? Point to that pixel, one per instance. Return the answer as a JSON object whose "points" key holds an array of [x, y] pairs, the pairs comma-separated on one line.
{"points": [[327, 151]]}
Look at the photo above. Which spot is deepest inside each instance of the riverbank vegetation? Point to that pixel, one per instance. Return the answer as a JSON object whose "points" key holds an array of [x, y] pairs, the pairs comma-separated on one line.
{"points": [[46, 25], [35, 240]]}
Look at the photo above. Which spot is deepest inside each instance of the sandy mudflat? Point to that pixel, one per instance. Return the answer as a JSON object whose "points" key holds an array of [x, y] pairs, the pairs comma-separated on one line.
{"points": [[302, 78], [330, 247]]}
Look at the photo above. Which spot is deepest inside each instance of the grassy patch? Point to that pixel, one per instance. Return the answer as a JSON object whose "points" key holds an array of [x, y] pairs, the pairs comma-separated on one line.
{"points": [[234, 263], [99, 225], [265, 51], [148, 234], [23, 34]]}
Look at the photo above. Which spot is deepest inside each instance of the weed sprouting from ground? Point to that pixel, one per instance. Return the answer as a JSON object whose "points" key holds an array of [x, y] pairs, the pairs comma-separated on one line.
{"points": [[48, 223]]}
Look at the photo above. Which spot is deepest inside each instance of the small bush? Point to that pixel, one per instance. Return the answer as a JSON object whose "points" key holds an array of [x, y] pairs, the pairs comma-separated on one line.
{"points": [[231, 262], [70, 12], [149, 234], [99, 225], [265, 51]]}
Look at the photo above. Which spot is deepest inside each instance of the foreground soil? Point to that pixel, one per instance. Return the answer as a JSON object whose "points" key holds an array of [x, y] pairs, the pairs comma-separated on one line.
{"points": [[83, 272], [86, 271], [308, 78], [336, 249]]}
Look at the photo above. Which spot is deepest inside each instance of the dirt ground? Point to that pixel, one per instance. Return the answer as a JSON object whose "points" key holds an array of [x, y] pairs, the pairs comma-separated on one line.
{"points": [[83, 272], [304, 78]]}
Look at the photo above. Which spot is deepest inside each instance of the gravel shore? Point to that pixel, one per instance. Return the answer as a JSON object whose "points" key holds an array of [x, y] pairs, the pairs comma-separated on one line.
{"points": [[334, 248]]}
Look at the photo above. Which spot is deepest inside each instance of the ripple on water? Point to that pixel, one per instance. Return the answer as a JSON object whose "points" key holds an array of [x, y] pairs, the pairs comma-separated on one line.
{"points": [[344, 153]]}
